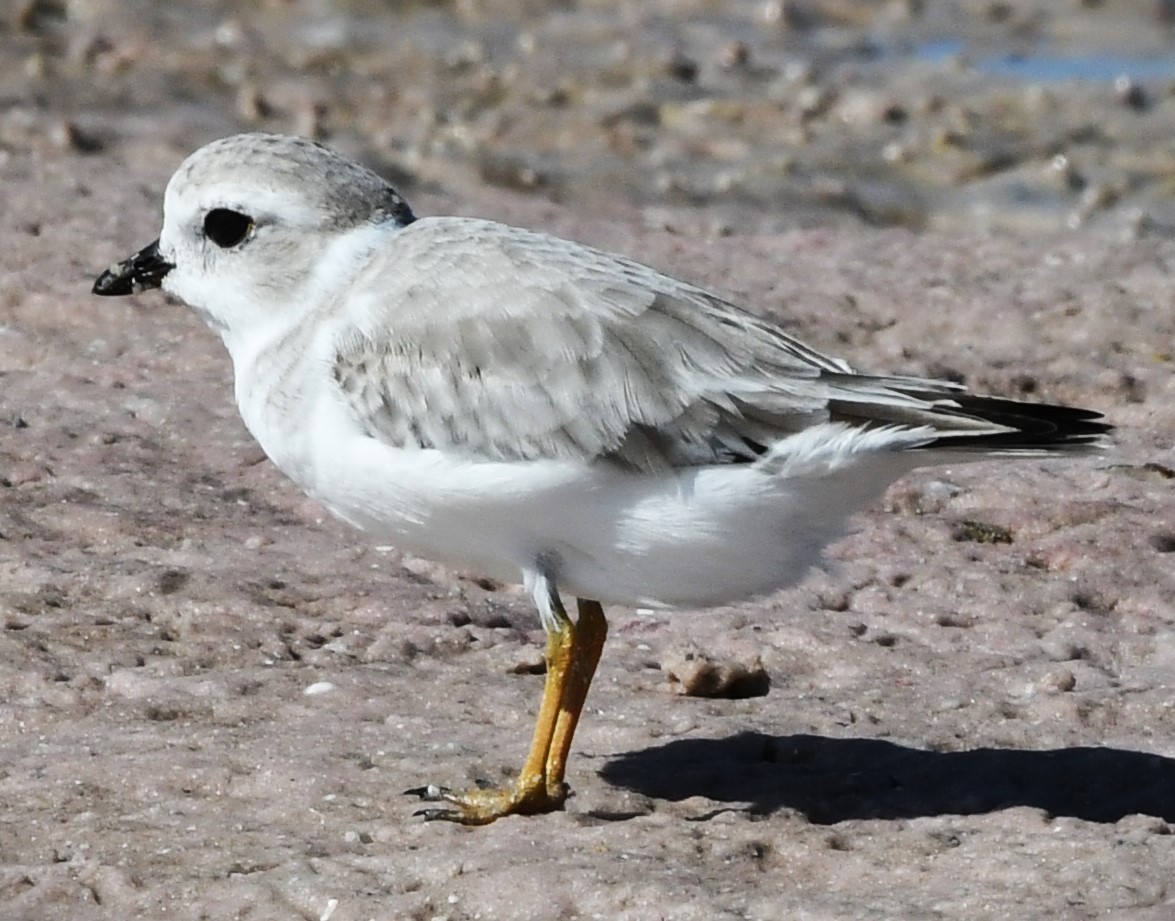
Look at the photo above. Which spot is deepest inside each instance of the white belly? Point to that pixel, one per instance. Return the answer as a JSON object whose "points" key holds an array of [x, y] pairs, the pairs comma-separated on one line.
{"points": [[691, 538], [700, 537]]}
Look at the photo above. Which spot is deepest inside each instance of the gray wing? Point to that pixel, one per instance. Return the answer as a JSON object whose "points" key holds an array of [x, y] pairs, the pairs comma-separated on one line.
{"points": [[509, 345]]}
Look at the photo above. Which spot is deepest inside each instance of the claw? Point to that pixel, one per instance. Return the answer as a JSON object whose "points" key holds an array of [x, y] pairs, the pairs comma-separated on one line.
{"points": [[440, 815], [481, 806], [431, 793]]}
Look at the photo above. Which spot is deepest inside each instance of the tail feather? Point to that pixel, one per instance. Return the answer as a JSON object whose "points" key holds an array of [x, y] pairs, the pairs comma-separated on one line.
{"points": [[967, 422], [1029, 426]]}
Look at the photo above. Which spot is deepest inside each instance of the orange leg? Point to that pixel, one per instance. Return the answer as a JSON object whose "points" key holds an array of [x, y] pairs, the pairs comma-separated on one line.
{"points": [[591, 631], [573, 652]]}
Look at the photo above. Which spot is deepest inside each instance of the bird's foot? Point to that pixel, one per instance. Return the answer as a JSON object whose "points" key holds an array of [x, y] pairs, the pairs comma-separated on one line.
{"points": [[528, 796], [573, 651]]}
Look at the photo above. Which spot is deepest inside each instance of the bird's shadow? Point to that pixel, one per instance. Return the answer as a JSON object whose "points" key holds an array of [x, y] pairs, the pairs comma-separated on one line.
{"points": [[831, 780]]}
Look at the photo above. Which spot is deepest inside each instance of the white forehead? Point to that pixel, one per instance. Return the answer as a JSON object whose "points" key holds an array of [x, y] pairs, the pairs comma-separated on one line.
{"points": [[186, 200], [274, 175]]}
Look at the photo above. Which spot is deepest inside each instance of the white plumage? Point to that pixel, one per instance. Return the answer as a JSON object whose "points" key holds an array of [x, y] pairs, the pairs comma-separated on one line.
{"points": [[510, 402]]}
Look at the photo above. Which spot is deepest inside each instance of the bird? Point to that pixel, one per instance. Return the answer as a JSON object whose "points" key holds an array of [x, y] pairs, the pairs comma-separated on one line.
{"points": [[501, 400]]}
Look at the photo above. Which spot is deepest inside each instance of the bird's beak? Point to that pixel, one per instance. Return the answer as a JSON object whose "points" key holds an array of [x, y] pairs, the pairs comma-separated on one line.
{"points": [[141, 272]]}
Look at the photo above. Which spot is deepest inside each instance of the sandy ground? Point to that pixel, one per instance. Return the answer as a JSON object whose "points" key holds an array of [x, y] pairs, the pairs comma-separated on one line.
{"points": [[211, 696]]}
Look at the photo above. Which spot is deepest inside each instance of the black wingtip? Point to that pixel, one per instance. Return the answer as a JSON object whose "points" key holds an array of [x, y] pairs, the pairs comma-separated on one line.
{"points": [[1033, 426]]}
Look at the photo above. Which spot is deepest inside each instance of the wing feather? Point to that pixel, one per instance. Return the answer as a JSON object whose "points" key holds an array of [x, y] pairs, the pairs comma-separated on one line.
{"points": [[472, 336]]}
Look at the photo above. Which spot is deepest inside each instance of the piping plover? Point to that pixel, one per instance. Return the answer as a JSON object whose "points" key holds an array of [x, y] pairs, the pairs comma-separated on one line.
{"points": [[506, 401]]}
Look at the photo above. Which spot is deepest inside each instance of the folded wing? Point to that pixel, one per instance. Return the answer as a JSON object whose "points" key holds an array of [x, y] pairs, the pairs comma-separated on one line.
{"points": [[472, 336]]}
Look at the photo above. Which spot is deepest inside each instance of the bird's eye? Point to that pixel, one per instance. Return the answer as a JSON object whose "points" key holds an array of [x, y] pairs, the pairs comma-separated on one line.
{"points": [[227, 228]]}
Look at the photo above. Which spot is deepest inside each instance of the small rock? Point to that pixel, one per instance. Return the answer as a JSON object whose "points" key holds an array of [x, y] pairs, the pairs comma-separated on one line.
{"points": [[1061, 679], [700, 676]]}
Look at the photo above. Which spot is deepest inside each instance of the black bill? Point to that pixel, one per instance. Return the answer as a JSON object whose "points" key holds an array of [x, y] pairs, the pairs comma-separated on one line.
{"points": [[141, 272]]}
